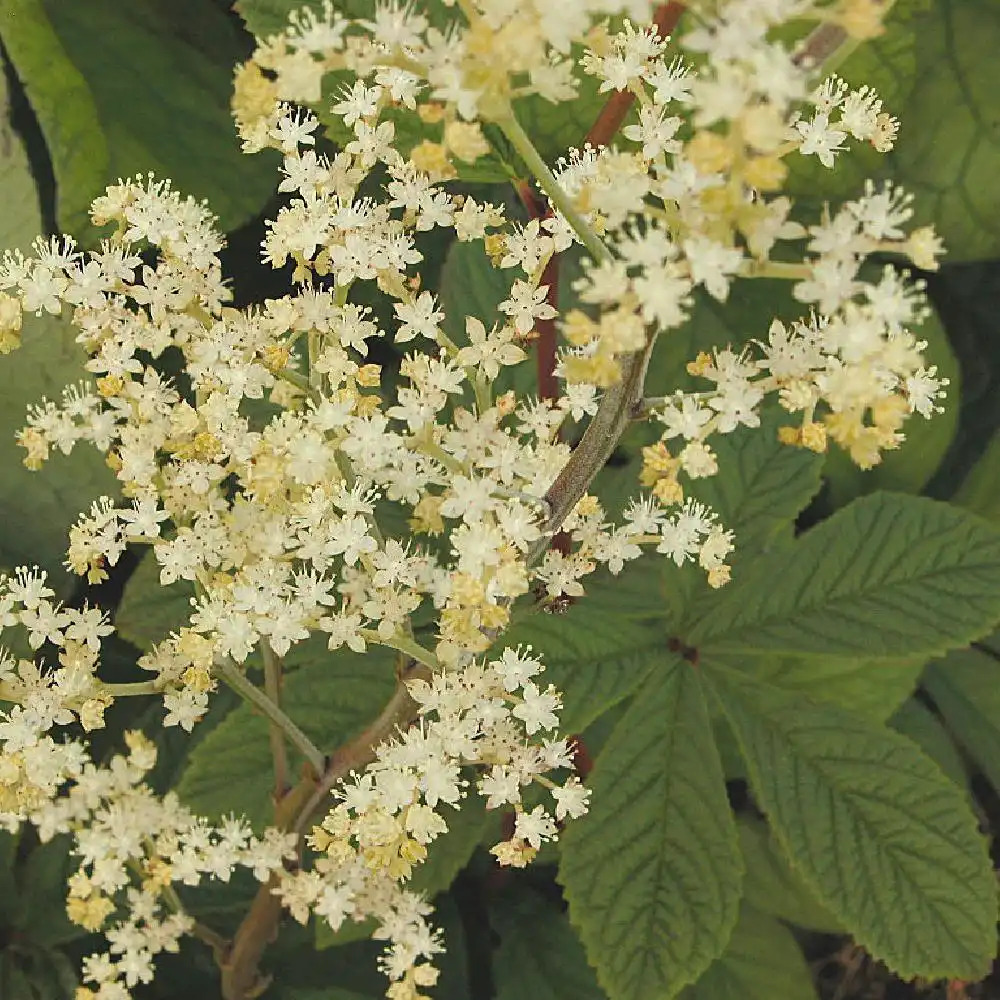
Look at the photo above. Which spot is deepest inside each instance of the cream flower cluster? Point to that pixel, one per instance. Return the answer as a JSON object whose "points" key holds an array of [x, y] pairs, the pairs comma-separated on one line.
{"points": [[274, 474], [133, 848], [490, 718]]}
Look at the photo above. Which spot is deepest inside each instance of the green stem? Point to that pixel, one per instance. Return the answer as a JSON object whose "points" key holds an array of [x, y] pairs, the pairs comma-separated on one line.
{"points": [[403, 644], [132, 689], [272, 688], [9, 692], [775, 269], [520, 140], [295, 378], [234, 677]]}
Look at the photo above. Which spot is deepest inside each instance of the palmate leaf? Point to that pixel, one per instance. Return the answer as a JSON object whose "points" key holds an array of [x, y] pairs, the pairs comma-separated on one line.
{"points": [[761, 487], [874, 688], [887, 576], [652, 873], [917, 722], [883, 839], [772, 887]]}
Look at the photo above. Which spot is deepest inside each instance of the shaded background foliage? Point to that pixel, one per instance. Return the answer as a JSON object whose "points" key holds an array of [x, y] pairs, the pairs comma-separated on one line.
{"points": [[95, 90]]}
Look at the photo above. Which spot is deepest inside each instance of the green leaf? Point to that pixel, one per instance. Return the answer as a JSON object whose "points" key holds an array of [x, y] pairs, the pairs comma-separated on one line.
{"points": [[965, 686], [761, 487], [875, 688], [641, 592], [450, 853], [917, 722], [590, 657], [773, 887], [556, 128], [37, 509], [331, 696], [882, 838], [14, 984], [150, 611], [887, 576], [762, 962], [652, 873], [980, 491], [949, 153], [120, 90], [539, 955], [42, 895], [909, 468]]}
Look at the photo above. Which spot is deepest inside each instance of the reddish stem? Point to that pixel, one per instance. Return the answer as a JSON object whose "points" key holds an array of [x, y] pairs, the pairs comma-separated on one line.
{"points": [[583, 763], [545, 344]]}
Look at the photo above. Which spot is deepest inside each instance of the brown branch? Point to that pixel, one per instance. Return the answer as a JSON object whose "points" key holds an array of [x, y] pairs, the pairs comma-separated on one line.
{"points": [[819, 45], [545, 342], [240, 977]]}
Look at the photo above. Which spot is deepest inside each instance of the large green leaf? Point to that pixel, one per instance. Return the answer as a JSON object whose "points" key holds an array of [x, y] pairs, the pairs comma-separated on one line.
{"points": [[331, 696], [590, 657], [771, 885], [763, 961], [122, 89], [760, 488], [951, 153], [917, 722], [652, 873], [980, 491], [539, 958], [150, 611], [965, 686], [875, 688], [887, 576], [42, 877], [881, 837], [37, 508]]}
